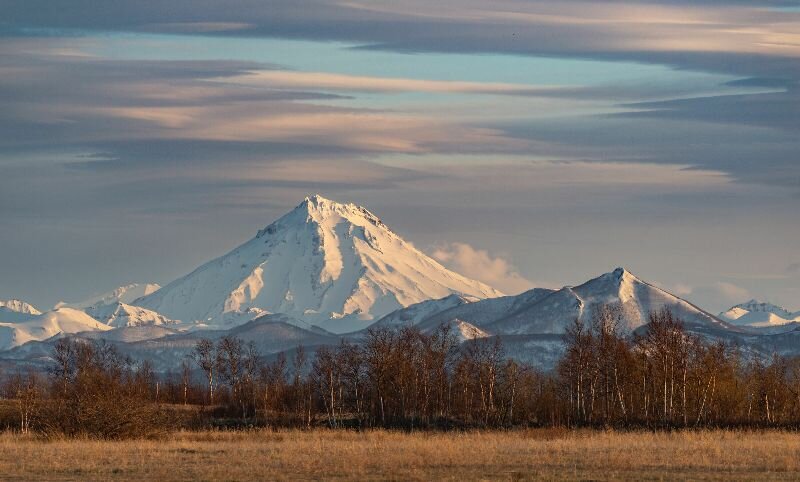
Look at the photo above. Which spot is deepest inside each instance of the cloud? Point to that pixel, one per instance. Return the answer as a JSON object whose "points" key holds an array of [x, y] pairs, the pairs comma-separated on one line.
{"points": [[620, 29], [680, 289], [329, 81], [779, 109], [793, 268], [198, 27], [481, 265], [730, 291], [718, 296], [747, 153], [56, 100], [154, 153], [52, 94]]}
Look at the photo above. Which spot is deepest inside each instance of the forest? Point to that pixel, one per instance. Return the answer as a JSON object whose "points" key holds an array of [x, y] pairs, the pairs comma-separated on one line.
{"points": [[661, 378]]}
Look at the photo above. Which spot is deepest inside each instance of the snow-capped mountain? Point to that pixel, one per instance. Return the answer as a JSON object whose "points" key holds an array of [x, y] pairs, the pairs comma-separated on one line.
{"points": [[637, 299], [531, 325], [759, 314], [119, 314], [47, 325], [19, 306], [335, 265], [124, 294], [544, 311]]}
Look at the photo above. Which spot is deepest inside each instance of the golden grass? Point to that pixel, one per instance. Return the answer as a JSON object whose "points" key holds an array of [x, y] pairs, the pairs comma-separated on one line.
{"points": [[382, 455]]}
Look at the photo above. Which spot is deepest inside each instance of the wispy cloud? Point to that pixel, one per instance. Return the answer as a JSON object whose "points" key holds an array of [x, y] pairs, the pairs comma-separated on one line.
{"points": [[198, 27], [720, 295], [286, 79], [153, 137], [479, 264]]}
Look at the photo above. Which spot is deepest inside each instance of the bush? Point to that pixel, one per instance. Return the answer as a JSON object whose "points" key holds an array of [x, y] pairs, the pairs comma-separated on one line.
{"points": [[97, 393]]}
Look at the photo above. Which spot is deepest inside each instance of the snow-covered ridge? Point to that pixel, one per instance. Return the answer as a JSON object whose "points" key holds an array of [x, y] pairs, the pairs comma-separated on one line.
{"points": [[119, 314], [124, 294], [759, 314], [542, 311], [635, 297], [19, 306], [325, 263], [47, 325], [419, 312]]}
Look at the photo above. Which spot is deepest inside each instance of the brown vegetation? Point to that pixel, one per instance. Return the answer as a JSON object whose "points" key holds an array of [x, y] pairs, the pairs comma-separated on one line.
{"points": [[554, 454], [663, 379]]}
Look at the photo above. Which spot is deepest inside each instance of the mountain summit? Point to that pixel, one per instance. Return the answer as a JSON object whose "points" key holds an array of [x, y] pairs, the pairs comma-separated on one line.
{"points": [[544, 311], [759, 314], [635, 297], [336, 265]]}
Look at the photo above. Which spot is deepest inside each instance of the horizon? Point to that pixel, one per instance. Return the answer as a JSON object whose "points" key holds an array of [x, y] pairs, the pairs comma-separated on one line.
{"points": [[522, 144], [317, 197]]}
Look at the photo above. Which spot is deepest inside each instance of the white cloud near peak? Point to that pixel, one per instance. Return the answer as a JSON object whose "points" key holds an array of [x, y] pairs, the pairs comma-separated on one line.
{"points": [[481, 265]]}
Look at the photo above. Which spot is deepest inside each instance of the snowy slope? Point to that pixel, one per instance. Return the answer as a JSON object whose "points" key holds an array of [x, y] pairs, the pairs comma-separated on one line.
{"points": [[334, 265], [464, 331], [554, 312], [19, 306], [544, 311], [47, 325], [131, 334], [419, 312], [758, 314], [124, 294], [484, 312], [120, 314], [428, 315]]}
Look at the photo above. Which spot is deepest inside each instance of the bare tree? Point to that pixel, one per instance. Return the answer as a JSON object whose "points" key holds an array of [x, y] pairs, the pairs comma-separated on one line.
{"points": [[65, 367], [26, 390], [186, 380], [204, 355]]}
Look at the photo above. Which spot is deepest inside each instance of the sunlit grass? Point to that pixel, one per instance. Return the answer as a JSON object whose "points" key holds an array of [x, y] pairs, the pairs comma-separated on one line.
{"points": [[259, 455]]}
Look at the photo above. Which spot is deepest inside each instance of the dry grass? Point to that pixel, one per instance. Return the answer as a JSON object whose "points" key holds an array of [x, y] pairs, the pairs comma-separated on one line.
{"points": [[381, 455]]}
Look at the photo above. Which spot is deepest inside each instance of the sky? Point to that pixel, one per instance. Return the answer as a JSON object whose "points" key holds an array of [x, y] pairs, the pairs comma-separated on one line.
{"points": [[523, 143]]}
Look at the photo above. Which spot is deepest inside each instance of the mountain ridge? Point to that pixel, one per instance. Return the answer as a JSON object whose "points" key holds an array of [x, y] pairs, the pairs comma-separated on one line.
{"points": [[757, 314], [331, 264], [19, 306], [546, 311]]}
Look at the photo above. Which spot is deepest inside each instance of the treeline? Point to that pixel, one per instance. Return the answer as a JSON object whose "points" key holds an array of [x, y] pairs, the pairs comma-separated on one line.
{"points": [[607, 377], [395, 378], [670, 378]]}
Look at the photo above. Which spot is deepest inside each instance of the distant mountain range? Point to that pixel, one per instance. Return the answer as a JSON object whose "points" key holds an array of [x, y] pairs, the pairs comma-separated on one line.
{"points": [[327, 272]]}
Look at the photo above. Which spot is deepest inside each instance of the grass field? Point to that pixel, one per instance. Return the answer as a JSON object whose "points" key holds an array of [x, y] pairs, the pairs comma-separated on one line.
{"points": [[380, 455]]}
